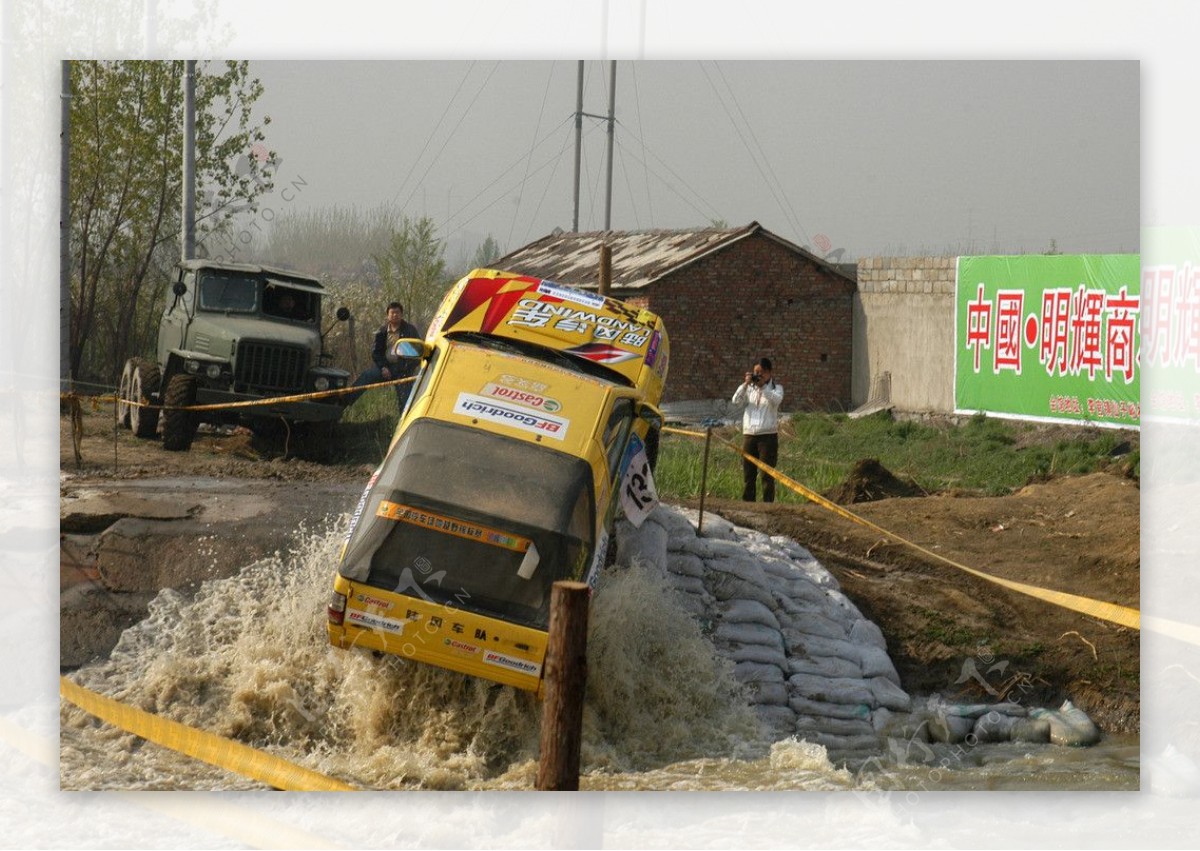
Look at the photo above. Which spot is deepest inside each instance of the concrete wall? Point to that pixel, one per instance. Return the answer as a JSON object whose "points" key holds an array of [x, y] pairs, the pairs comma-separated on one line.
{"points": [[904, 324]]}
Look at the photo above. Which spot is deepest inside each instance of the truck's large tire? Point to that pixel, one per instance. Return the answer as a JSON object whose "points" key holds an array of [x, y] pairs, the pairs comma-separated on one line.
{"points": [[144, 383], [124, 394], [179, 427]]}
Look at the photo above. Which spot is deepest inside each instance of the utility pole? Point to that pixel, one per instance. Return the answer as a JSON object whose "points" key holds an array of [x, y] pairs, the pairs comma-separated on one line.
{"points": [[64, 235], [578, 143], [188, 237], [612, 101], [611, 119]]}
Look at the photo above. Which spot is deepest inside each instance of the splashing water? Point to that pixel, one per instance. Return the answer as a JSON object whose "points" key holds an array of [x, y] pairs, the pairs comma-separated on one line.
{"points": [[248, 658]]}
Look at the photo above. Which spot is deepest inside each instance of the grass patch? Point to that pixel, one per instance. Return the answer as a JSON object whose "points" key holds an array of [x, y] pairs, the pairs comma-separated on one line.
{"points": [[986, 455]]}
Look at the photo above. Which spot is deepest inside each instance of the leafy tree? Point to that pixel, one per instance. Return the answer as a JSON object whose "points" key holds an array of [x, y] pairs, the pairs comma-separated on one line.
{"points": [[413, 269], [488, 251], [126, 188]]}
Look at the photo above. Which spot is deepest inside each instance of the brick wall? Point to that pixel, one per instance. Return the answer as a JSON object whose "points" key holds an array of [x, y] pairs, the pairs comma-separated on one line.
{"points": [[752, 299]]}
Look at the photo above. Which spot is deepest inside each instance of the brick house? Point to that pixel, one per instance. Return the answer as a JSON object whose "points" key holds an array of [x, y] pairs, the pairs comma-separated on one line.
{"points": [[728, 297]]}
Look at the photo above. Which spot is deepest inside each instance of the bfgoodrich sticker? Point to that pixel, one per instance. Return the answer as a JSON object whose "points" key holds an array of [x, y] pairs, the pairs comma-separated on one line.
{"points": [[491, 657], [375, 621], [515, 416]]}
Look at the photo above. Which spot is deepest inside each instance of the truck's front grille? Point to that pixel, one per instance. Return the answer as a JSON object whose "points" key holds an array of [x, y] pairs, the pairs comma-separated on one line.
{"points": [[270, 367]]}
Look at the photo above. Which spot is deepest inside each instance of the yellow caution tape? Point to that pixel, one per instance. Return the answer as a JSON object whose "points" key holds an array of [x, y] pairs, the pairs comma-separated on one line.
{"points": [[1121, 615], [252, 403], [199, 744]]}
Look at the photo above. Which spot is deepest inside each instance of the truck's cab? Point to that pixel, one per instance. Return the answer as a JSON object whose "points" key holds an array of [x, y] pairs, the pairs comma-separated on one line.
{"points": [[525, 430], [236, 333]]}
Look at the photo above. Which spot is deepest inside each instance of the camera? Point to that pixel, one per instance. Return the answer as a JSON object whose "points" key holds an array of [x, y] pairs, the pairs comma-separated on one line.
{"points": [[755, 378]]}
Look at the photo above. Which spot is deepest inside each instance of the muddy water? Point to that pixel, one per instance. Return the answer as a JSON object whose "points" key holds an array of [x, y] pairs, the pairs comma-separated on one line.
{"points": [[246, 657]]}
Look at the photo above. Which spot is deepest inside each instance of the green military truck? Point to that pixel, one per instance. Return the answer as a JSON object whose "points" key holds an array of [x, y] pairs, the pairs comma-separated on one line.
{"points": [[233, 333]]}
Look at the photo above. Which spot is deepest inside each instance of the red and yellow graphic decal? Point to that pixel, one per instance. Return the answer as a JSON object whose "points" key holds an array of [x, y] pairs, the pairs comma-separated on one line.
{"points": [[451, 526]]}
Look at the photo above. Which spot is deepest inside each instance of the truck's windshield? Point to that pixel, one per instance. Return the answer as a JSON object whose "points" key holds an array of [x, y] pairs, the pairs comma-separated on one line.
{"points": [[228, 292]]}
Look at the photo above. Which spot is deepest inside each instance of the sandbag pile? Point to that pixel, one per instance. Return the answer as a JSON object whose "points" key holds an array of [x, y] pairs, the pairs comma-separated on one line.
{"points": [[812, 665]]}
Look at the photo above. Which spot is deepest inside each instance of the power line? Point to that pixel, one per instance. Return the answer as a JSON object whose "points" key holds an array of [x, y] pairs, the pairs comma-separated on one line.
{"points": [[433, 133], [546, 94]]}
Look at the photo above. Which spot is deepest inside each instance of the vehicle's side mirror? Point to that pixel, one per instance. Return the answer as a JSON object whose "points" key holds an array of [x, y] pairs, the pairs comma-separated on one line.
{"points": [[652, 415], [179, 288], [343, 314], [411, 347]]}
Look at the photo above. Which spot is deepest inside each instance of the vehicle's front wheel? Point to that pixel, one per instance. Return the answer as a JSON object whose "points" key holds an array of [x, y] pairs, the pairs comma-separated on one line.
{"points": [[179, 427], [143, 384]]}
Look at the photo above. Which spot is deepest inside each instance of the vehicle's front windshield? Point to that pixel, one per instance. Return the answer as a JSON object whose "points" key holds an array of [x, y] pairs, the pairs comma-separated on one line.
{"points": [[228, 292], [454, 511]]}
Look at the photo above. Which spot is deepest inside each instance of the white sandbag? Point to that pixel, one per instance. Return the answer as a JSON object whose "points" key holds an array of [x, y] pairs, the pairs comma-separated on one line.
{"points": [[825, 666], [783, 569], [801, 644], [841, 744], [834, 726], [685, 564], [802, 590], [756, 672], [648, 544], [717, 527], [876, 663], [863, 631], [806, 620], [840, 608], [735, 634], [993, 727], [774, 694], [726, 586], [688, 584], [832, 689], [747, 611], [804, 706], [779, 721], [817, 575], [791, 548], [753, 653], [950, 729], [889, 694], [1069, 725], [744, 567], [1034, 731]]}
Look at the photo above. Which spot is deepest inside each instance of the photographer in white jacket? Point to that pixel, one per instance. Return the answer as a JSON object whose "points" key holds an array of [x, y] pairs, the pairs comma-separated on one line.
{"points": [[762, 396]]}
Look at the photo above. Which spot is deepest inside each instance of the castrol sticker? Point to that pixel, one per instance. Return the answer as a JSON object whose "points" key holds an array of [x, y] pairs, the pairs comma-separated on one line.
{"points": [[528, 398], [509, 414]]}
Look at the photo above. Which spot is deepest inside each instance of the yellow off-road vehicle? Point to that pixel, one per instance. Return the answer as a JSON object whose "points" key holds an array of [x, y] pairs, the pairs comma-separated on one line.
{"points": [[532, 418]]}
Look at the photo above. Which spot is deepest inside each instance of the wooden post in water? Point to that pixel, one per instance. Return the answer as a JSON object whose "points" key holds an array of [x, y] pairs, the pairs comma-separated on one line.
{"points": [[566, 676]]}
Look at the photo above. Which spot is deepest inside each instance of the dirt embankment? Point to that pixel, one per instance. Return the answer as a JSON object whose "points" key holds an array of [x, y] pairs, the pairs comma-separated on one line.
{"points": [[948, 632]]}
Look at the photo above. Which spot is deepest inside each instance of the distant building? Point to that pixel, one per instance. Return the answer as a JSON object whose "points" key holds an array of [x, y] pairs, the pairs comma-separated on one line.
{"points": [[728, 297]]}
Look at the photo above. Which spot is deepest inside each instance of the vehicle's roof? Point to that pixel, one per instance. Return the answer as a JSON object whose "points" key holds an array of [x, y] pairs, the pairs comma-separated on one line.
{"points": [[251, 269]]}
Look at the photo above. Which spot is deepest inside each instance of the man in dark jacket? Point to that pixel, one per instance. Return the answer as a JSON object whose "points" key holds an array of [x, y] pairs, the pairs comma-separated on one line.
{"points": [[387, 364]]}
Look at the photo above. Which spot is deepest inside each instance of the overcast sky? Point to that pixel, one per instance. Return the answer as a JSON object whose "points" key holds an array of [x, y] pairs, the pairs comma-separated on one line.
{"points": [[872, 157]]}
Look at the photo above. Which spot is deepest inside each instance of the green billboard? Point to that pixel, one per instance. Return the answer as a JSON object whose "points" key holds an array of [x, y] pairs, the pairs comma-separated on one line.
{"points": [[1049, 337]]}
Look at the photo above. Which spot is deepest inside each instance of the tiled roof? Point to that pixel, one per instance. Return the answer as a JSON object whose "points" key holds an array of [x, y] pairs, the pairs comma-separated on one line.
{"points": [[639, 258]]}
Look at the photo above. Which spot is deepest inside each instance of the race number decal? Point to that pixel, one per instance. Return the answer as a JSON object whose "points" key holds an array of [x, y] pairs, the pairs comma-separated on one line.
{"points": [[638, 496]]}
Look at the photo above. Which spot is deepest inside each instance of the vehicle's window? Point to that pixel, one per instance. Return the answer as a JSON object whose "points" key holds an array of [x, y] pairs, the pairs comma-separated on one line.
{"points": [[225, 292], [421, 383], [544, 354], [455, 496], [287, 303], [615, 434]]}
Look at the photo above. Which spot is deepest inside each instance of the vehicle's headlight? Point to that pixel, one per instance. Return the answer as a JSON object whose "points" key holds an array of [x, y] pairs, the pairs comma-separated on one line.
{"points": [[213, 371], [322, 383], [192, 366]]}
